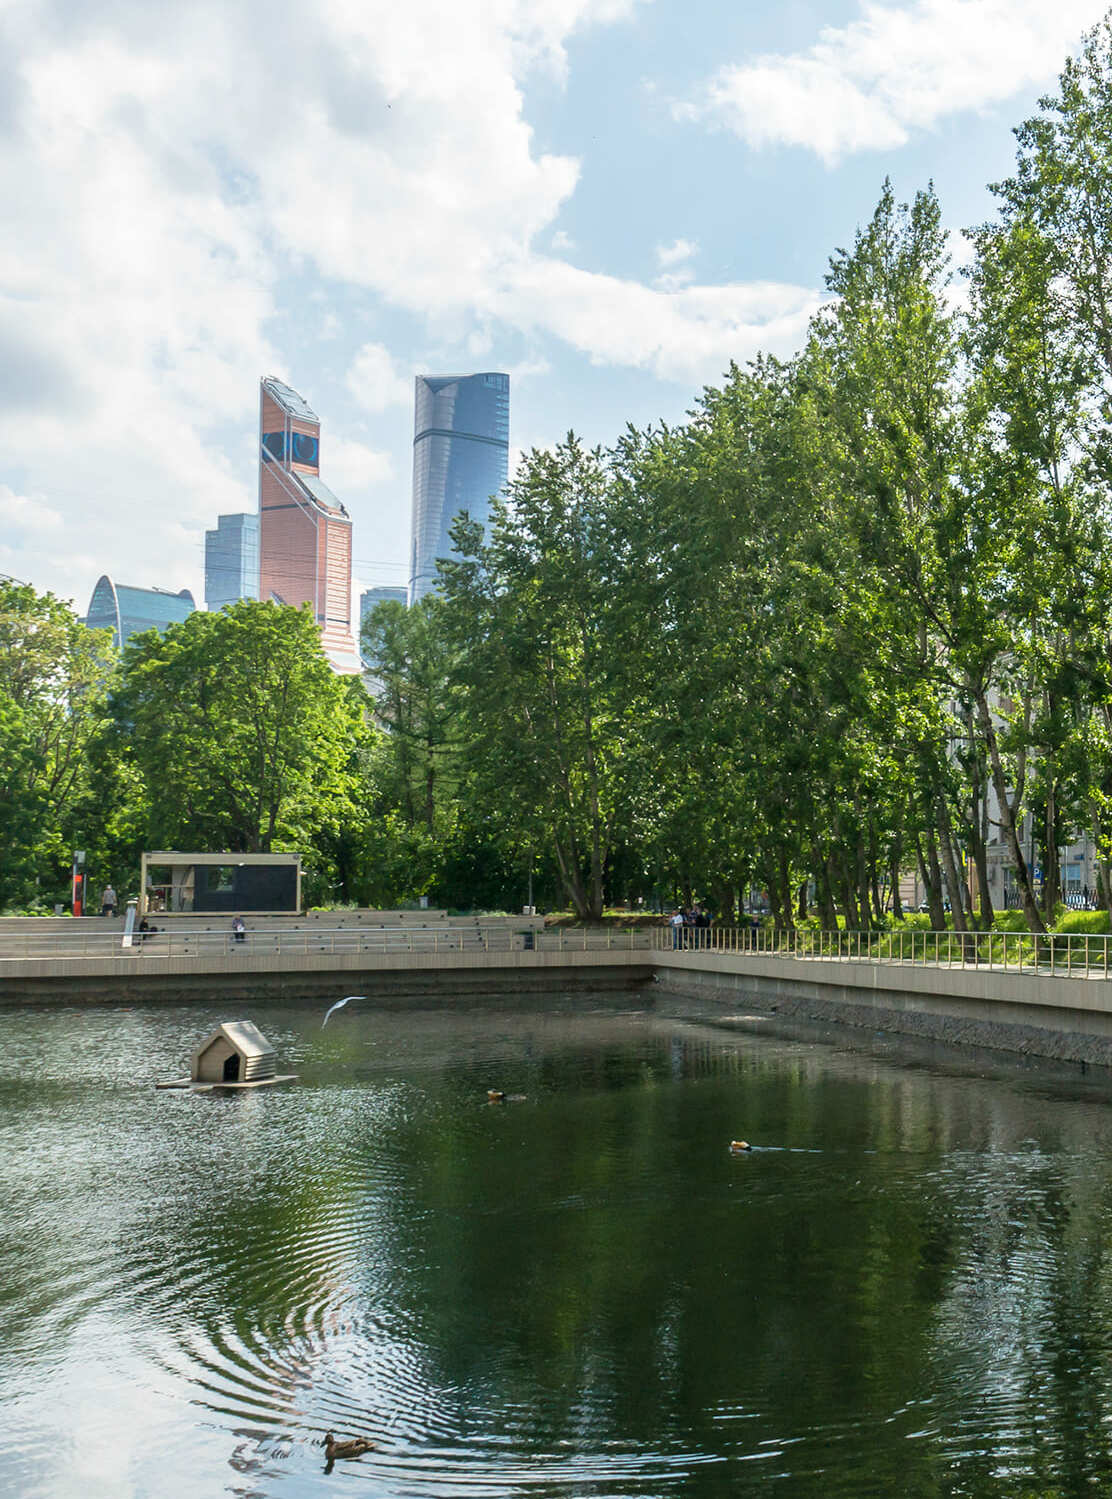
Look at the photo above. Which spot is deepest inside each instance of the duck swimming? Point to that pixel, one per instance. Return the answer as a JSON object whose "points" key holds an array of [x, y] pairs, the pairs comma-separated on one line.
{"points": [[740, 1145], [354, 1448]]}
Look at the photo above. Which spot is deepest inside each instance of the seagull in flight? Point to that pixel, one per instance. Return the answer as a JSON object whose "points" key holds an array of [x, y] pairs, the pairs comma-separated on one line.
{"points": [[340, 1003]]}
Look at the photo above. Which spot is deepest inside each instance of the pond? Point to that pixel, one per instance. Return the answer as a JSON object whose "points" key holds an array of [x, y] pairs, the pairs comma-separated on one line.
{"points": [[903, 1289]]}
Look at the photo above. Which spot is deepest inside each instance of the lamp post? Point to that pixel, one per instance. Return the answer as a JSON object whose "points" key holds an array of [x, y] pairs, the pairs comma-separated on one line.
{"points": [[77, 891]]}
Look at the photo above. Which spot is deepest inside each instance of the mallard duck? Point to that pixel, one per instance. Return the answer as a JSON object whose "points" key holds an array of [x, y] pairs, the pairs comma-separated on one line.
{"points": [[740, 1145], [354, 1448], [495, 1095]]}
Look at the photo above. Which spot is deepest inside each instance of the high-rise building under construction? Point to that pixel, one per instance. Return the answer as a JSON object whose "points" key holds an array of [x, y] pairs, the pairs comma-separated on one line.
{"points": [[304, 531]]}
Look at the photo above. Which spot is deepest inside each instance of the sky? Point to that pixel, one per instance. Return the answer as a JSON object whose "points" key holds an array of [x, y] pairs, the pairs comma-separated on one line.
{"points": [[609, 199]]}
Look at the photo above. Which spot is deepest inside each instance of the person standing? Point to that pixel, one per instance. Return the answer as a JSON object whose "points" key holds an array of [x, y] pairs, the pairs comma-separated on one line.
{"points": [[239, 929], [108, 901], [676, 923], [702, 925]]}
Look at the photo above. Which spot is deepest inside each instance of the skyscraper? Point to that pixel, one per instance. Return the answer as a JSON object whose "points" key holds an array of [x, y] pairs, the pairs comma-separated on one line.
{"points": [[304, 531], [370, 598], [232, 560], [126, 611], [461, 448]]}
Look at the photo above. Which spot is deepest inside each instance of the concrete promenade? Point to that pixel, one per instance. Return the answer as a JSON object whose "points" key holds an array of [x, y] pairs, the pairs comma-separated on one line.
{"points": [[1035, 1011], [289, 957]]}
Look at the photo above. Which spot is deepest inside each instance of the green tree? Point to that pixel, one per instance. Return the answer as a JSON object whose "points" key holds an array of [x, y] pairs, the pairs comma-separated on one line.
{"points": [[534, 613], [245, 737], [53, 680], [416, 702]]}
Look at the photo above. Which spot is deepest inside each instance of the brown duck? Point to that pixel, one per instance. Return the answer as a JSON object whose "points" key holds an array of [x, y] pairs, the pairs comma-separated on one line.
{"points": [[355, 1448]]}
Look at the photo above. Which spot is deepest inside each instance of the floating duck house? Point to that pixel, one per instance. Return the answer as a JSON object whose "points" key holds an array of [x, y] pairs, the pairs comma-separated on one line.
{"points": [[236, 1052], [235, 1055]]}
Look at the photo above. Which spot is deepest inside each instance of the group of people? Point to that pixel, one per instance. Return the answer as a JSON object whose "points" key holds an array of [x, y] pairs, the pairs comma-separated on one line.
{"points": [[690, 925], [145, 930]]}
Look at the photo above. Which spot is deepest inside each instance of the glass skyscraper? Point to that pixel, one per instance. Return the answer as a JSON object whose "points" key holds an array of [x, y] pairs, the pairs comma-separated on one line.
{"points": [[232, 560], [370, 598], [126, 611], [461, 453], [304, 531]]}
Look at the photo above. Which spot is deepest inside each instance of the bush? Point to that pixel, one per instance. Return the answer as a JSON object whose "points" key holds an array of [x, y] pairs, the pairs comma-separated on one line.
{"points": [[1083, 921]]}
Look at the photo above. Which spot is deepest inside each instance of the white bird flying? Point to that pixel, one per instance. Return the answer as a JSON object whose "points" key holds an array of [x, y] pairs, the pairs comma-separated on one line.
{"points": [[340, 1003]]}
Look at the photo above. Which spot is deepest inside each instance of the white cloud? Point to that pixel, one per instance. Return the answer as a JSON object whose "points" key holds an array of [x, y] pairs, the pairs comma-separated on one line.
{"points": [[348, 465], [894, 70], [674, 260], [375, 380], [172, 177], [688, 334], [677, 251]]}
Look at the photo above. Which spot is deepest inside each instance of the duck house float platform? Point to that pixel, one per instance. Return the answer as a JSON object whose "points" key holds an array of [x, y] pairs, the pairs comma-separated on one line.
{"points": [[235, 1055]]}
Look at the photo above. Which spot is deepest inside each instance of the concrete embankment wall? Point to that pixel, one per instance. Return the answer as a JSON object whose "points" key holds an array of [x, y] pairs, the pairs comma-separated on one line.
{"points": [[1038, 1014], [401, 976], [1041, 1014]]}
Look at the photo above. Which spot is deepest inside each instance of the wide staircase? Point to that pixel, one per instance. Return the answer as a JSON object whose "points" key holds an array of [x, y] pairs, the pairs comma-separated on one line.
{"points": [[347, 931]]}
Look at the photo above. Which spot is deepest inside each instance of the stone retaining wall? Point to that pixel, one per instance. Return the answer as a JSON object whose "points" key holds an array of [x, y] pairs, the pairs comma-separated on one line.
{"points": [[1064, 1034]]}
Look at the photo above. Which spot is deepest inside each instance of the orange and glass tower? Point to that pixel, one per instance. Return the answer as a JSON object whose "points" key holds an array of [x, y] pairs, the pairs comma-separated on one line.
{"points": [[304, 531]]}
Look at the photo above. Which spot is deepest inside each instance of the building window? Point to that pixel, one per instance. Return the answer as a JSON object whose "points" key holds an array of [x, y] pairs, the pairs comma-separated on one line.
{"points": [[305, 448]]}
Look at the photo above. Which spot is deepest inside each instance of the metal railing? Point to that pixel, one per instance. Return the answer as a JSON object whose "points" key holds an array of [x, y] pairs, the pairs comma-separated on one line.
{"points": [[1070, 954], [166, 942], [1074, 954]]}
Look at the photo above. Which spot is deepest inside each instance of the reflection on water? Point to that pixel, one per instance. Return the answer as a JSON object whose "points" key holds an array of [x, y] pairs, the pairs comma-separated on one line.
{"points": [[902, 1289]]}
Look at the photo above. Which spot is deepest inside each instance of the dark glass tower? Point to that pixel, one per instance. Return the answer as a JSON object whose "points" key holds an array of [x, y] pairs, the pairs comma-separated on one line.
{"points": [[461, 449]]}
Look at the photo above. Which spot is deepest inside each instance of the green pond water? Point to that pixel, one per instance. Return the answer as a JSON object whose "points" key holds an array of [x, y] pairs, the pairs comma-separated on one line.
{"points": [[906, 1289]]}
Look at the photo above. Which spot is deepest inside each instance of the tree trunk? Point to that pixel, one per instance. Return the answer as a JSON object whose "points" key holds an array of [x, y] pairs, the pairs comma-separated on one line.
{"points": [[1006, 810], [785, 888], [773, 887], [897, 903], [724, 902], [1052, 868], [946, 849], [978, 831], [572, 880], [844, 886], [828, 916], [874, 876], [980, 863], [932, 879]]}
